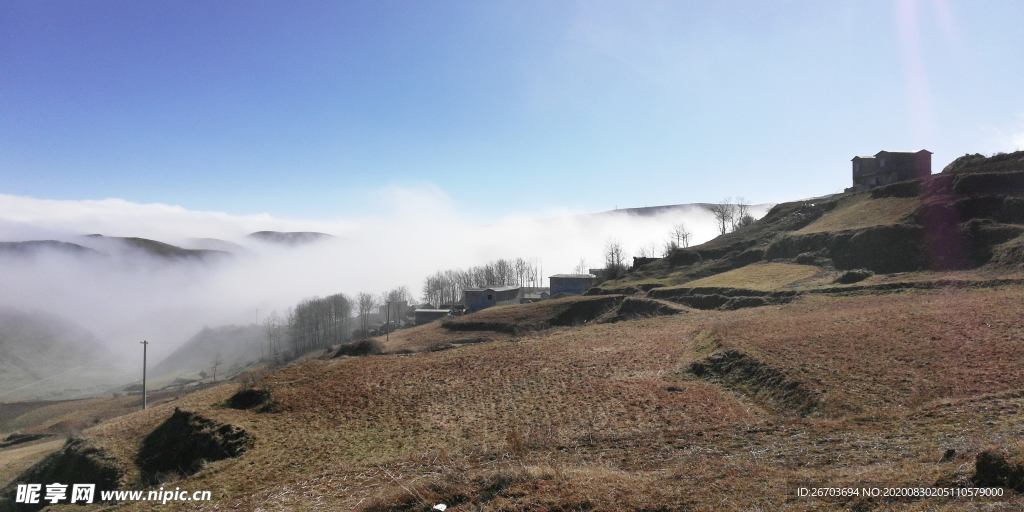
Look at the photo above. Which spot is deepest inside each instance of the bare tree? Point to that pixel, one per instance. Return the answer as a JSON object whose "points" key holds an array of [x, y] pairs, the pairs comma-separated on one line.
{"points": [[272, 326], [395, 303], [614, 259], [668, 247], [725, 214], [317, 323], [365, 303], [680, 235], [648, 251], [742, 217], [581, 267], [217, 361], [446, 287]]}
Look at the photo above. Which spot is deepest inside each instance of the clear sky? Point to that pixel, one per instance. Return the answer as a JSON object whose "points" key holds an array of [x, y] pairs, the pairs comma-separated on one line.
{"points": [[309, 109]]}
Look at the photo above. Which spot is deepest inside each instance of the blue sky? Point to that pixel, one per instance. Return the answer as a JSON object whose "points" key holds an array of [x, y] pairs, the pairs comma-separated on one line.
{"points": [[309, 109]]}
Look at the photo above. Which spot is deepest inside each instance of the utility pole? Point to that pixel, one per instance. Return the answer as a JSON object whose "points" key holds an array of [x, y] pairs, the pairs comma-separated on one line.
{"points": [[387, 323], [144, 346]]}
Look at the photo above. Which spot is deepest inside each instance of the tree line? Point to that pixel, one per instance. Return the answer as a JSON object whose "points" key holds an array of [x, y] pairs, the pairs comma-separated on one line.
{"points": [[731, 215], [318, 322], [446, 286]]}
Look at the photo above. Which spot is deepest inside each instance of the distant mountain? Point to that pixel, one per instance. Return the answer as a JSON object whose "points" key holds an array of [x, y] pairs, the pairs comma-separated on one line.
{"points": [[647, 211], [656, 210], [45, 356], [238, 346], [32, 247], [290, 237], [214, 244], [149, 247]]}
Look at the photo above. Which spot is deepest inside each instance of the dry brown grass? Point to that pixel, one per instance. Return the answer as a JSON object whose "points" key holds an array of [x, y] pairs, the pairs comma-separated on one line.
{"points": [[18, 458], [759, 276], [71, 417], [861, 211], [606, 417], [575, 310], [432, 335]]}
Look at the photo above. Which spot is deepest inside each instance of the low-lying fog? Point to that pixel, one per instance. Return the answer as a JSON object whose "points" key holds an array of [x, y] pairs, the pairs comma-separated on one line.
{"points": [[125, 295]]}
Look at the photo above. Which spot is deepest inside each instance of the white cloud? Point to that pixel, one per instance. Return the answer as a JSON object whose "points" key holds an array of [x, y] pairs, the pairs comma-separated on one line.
{"points": [[415, 232], [1005, 139], [1017, 140], [117, 217]]}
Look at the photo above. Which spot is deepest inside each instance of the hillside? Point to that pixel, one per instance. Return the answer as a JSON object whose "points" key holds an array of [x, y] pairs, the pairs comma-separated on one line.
{"points": [[290, 237], [238, 346], [215, 244], [852, 341], [35, 247], [949, 221], [152, 248], [663, 413], [44, 356]]}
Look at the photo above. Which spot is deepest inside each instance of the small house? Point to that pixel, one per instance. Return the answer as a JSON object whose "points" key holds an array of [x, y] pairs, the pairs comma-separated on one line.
{"points": [[425, 316], [534, 294], [571, 283], [476, 299]]}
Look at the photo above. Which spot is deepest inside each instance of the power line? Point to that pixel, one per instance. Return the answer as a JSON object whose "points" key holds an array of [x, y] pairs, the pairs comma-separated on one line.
{"points": [[145, 345]]}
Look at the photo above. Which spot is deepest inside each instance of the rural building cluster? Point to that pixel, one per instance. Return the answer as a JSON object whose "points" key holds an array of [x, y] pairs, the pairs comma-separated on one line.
{"points": [[475, 299], [883, 168]]}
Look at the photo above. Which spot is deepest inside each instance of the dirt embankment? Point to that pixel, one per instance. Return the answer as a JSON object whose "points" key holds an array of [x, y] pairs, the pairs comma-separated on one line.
{"points": [[368, 347], [725, 299], [999, 468], [251, 398], [182, 444], [78, 462], [739, 371], [637, 307], [524, 318], [178, 447]]}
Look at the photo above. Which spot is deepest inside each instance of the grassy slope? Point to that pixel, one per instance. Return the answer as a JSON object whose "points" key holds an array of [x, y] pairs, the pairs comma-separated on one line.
{"points": [[607, 417], [765, 277], [584, 415], [861, 211], [431, 335], [18, 458], [945, 221]]}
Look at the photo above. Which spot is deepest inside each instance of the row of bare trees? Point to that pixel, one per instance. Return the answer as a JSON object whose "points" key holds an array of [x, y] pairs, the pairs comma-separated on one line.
{"points": [[393, 304], [678, 237], [731, 215], [446, 286], [319, 322]]}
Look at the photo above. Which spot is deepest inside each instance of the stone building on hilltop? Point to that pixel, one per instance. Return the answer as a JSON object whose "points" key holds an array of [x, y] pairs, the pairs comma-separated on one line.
{"points": [[889, 167]]}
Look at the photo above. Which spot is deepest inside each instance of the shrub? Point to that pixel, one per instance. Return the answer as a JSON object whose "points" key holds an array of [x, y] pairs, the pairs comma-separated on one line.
{"points": [[854, 276]]}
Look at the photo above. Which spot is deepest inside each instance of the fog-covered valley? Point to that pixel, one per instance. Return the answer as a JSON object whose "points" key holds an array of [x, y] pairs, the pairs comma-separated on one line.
{"points": [[109, 274]]}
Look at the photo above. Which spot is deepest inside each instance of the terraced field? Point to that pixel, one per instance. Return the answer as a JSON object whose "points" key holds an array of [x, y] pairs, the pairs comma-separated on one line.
{"points": [[613, 416]]}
